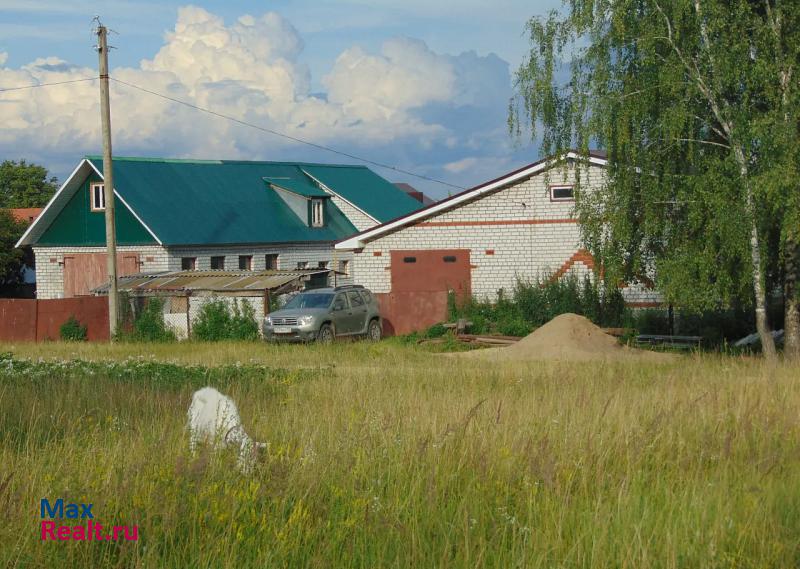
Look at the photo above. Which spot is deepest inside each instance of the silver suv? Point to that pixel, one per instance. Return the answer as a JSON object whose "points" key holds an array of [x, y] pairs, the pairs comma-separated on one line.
{"points": [[324, 314]]}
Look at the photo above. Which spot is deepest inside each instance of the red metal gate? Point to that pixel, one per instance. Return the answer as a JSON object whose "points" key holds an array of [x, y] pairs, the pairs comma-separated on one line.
{"points": [[421, 280]]}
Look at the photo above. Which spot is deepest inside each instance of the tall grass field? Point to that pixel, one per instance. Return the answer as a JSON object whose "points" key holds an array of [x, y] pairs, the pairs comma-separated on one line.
{"points": [[384, 455]]}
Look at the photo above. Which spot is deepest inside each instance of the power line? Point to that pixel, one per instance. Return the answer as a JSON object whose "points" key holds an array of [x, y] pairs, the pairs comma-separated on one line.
{"points": [[287, 136], [4, 89]]}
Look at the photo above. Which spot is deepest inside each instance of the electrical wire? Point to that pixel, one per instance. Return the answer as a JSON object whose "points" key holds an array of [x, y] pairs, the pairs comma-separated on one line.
{"points": [[5, 89], [287, 136]]}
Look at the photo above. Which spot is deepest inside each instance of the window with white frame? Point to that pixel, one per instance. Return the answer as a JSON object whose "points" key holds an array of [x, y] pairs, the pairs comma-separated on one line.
{"points": [[317, 213], [97, 196], [562, 193]]}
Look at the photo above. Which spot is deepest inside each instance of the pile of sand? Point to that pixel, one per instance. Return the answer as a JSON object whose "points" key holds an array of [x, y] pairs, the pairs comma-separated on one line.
{"points": [[567, 337]]}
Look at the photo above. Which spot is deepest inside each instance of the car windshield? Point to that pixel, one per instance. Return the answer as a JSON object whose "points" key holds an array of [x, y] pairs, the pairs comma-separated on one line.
{"points": [[310, 300]]}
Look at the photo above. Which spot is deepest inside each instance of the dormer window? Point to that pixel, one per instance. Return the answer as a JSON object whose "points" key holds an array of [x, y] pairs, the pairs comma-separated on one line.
{"points": [[317, 213], [97, 196]]}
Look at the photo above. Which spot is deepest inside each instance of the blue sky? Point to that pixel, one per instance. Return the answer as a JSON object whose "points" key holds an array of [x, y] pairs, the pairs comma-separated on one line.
{"points": [[421, 85]]}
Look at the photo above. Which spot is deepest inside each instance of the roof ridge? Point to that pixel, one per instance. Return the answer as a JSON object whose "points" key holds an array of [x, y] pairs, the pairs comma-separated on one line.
{"points": [[223, 161]]}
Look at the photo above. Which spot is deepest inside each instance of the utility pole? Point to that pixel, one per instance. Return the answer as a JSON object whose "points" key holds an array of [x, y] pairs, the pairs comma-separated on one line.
{"points": [[108, 183]]}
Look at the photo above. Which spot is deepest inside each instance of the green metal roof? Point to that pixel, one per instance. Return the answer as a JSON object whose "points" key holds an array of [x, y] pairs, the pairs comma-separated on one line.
{"points": [[366, 190], [304, 189], [218, 202]]}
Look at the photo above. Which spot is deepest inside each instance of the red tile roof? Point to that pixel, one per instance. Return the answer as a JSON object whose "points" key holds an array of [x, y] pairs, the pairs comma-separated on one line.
{"points": [[26, 214]]}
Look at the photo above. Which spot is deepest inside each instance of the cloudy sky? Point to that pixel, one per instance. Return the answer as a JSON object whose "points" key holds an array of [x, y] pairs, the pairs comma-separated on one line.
{"points": [[422, 85]]}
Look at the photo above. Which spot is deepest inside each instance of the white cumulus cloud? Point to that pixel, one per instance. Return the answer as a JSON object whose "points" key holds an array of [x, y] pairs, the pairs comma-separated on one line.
{"points": [[406, 105]]}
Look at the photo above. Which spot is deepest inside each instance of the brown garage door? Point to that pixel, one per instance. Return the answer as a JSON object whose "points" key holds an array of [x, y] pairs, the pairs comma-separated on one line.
{"points": [[420, 283], [85, 271]]}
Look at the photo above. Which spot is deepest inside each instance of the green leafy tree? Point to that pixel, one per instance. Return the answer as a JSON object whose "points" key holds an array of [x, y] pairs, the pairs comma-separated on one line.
{"points": [[694, 102], [10, 257], [25, 185]]}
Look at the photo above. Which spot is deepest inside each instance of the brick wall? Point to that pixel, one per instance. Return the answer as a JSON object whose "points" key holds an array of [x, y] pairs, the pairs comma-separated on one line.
{"points": [[50, 260], [515, 233], [50, 265]]}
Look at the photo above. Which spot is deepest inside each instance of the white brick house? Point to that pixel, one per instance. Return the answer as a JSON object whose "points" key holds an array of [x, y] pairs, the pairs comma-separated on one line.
{"points": [[176, 215], [520, 226]]}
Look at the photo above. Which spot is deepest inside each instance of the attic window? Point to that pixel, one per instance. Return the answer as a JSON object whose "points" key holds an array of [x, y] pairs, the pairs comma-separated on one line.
{"points": [[317, 216], [97, 197], [561, 193]]}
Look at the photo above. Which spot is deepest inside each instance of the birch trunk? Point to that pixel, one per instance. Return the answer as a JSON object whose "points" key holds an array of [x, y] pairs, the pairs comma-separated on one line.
{"points": [[762, 325], [791, 327]]}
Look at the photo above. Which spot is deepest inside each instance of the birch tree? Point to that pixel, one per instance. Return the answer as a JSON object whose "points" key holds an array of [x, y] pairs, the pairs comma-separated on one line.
{"points": [[685, 96]]}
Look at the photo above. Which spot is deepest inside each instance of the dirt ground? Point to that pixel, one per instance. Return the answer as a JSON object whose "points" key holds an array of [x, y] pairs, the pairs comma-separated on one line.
{"points": [[567, 337]]}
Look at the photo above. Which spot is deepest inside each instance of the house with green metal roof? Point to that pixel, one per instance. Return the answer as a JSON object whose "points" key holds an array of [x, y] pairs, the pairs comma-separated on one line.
{"points": [[206, 215]]}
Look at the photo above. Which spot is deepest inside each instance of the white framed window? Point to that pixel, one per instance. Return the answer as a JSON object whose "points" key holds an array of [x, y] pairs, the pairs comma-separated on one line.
{"points": [[317, 213], [97, 196], [562, 193], [344, 267]]}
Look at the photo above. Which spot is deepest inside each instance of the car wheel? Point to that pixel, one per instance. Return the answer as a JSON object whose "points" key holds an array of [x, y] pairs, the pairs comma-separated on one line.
{"points": [[374, 331], [325, 334]]}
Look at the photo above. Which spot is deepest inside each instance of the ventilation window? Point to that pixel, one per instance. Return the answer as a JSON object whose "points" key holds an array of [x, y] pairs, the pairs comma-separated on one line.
{"points": [[409, 259], [449, 259], [245, 262], [271, 261], [561, 193], [98, 197], [218, 263], [188, 263]]}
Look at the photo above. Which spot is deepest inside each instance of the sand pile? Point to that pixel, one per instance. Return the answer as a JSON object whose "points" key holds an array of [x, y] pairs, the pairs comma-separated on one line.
{"points": [[567, 337]]}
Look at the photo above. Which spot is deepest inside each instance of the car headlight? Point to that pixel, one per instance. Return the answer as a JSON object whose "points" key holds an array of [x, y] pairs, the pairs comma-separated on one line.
{"points": [[268, 321], [305, 320]]}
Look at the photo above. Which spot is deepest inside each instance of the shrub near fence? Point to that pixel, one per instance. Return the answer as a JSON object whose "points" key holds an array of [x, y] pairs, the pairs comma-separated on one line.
{"points": [[219, 320]]}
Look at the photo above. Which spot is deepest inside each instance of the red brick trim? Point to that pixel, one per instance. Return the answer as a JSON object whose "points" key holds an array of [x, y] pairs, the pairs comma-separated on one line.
{"points": [[377, 253], [644, 304], [498, 222], [580, 256], [490, 251]]}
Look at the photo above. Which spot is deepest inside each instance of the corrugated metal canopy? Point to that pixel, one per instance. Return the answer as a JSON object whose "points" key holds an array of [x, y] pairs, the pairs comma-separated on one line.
{"points": [[177, 283]]}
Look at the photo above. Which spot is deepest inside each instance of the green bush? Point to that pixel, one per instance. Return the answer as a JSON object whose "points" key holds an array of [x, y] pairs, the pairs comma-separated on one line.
{"points": [[532, 304], [218, 320], [243, 325], [149, 325], [72, 330], [436, 331]]}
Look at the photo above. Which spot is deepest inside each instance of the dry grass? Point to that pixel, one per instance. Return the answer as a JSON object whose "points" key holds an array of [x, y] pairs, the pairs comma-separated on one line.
{"points": [[382, 455]]}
